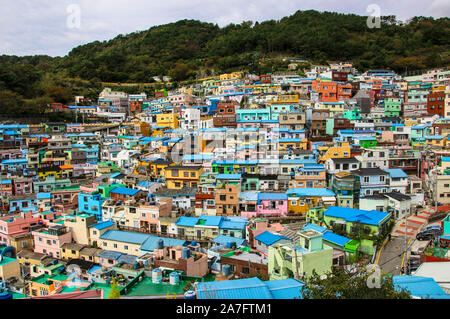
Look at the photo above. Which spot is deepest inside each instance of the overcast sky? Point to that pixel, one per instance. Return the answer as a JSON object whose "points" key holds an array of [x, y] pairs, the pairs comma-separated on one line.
{"points": [[29, 27]]}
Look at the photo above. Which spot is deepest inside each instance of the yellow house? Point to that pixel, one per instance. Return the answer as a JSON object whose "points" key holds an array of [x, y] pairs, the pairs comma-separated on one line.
{"points": [[49, 172], [123, 242], [167, 120], [437, 140], [178, 177], [90, 254], [79, 226], [293, 143], [301, 200], [45, 285], [341, 151], [71, 251], [155, 168], [157, 132]]}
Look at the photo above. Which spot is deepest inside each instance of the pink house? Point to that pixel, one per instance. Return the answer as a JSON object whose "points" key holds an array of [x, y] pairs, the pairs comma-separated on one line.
{"points": [[74, 128], [269, 204], [23, 186], [182, 100], [49, 240], [15, 225]]}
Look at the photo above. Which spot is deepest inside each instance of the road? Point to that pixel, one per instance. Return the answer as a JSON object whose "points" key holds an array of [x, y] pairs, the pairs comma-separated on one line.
{"points": [[391, 257]]}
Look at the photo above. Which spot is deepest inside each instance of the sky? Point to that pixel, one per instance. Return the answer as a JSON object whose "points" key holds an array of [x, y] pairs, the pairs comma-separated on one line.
{"points": [[30, 27]]}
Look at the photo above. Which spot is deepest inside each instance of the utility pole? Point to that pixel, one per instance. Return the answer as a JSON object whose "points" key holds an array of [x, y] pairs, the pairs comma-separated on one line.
{"points": [[406, 247]]}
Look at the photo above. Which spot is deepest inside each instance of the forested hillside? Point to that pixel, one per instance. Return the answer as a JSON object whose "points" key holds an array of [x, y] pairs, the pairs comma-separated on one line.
{"points": [[189, 48]]}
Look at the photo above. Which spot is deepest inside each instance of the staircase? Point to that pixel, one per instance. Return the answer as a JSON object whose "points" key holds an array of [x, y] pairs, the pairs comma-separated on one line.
{"points": [[415, 223]]}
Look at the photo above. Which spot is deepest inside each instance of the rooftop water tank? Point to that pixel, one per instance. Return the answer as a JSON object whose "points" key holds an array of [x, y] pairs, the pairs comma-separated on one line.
{"points": [[160, 244], [190, 295], [174, 278], [185, 253], [156, 276], [194, 243]]}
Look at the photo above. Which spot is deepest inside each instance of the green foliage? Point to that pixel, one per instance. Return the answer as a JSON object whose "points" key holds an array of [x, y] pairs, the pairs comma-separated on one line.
{"points": [[115, 292], [188, 48], [342, 285]]}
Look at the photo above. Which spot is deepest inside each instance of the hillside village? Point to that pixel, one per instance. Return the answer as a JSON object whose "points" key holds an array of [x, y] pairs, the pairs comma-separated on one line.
{"points": [[238, 186]]}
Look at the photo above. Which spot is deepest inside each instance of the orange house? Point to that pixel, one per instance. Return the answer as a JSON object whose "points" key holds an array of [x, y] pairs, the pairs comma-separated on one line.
{"points": [[332, 91]]}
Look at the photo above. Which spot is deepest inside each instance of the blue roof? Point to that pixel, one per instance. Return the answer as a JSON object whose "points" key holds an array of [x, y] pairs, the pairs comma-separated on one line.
{"points": [[250, 288], [94, 268], [222, 239], [285, 288], [421, 287], [231, 224], [125, 191], [145, 183], [187, 221], [228, 176], [317, 228], [103, 225], [396, 173], [369, 217], [43, 195], [151, 242], [272, 196], [310, 191], [335, 239], [127, 259], [114, 175], [109, 254], [269, 238], [124, 236]]}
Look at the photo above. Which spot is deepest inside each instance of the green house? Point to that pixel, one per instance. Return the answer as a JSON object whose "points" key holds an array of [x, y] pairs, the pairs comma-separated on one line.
{"points": [[367, 141]]}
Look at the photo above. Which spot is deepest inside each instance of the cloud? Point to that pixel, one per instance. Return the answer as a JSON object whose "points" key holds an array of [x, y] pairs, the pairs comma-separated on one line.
{"points": [[40, 26]]}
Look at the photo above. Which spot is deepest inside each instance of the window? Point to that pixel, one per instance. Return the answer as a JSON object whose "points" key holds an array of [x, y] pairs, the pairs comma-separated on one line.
{"points": [[245, 270], [125, 247]]}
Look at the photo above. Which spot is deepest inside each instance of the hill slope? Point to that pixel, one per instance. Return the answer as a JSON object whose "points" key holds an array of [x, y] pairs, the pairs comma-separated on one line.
{"points": [[183, 48]]}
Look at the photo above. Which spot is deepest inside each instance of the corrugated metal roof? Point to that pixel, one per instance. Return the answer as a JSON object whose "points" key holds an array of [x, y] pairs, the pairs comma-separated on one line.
{"points": [[269, 238], [249, 288], [421, 287], [335, 239], [125, 237], [370, 217], [151, 242], [222, 239]]}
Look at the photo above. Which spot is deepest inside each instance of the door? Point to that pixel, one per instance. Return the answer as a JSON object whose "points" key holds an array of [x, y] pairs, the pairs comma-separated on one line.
{"points": [[199, 233]]}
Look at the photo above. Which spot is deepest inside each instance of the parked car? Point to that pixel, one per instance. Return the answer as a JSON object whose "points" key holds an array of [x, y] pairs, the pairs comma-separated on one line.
{"points": [[429, 234], [433, 227]]}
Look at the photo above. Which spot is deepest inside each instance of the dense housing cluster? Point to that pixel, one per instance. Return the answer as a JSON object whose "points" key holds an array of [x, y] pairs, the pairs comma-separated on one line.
{"points": [[236, 182]]}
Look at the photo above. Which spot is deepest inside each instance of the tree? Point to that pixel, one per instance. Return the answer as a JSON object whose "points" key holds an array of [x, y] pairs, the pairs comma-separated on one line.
{"points": [[59, 94], [115, 292], [339, 284]]}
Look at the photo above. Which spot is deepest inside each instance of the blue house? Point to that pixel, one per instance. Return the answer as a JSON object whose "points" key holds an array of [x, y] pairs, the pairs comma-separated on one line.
{"points": [[372, 181], [91, 203]]}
